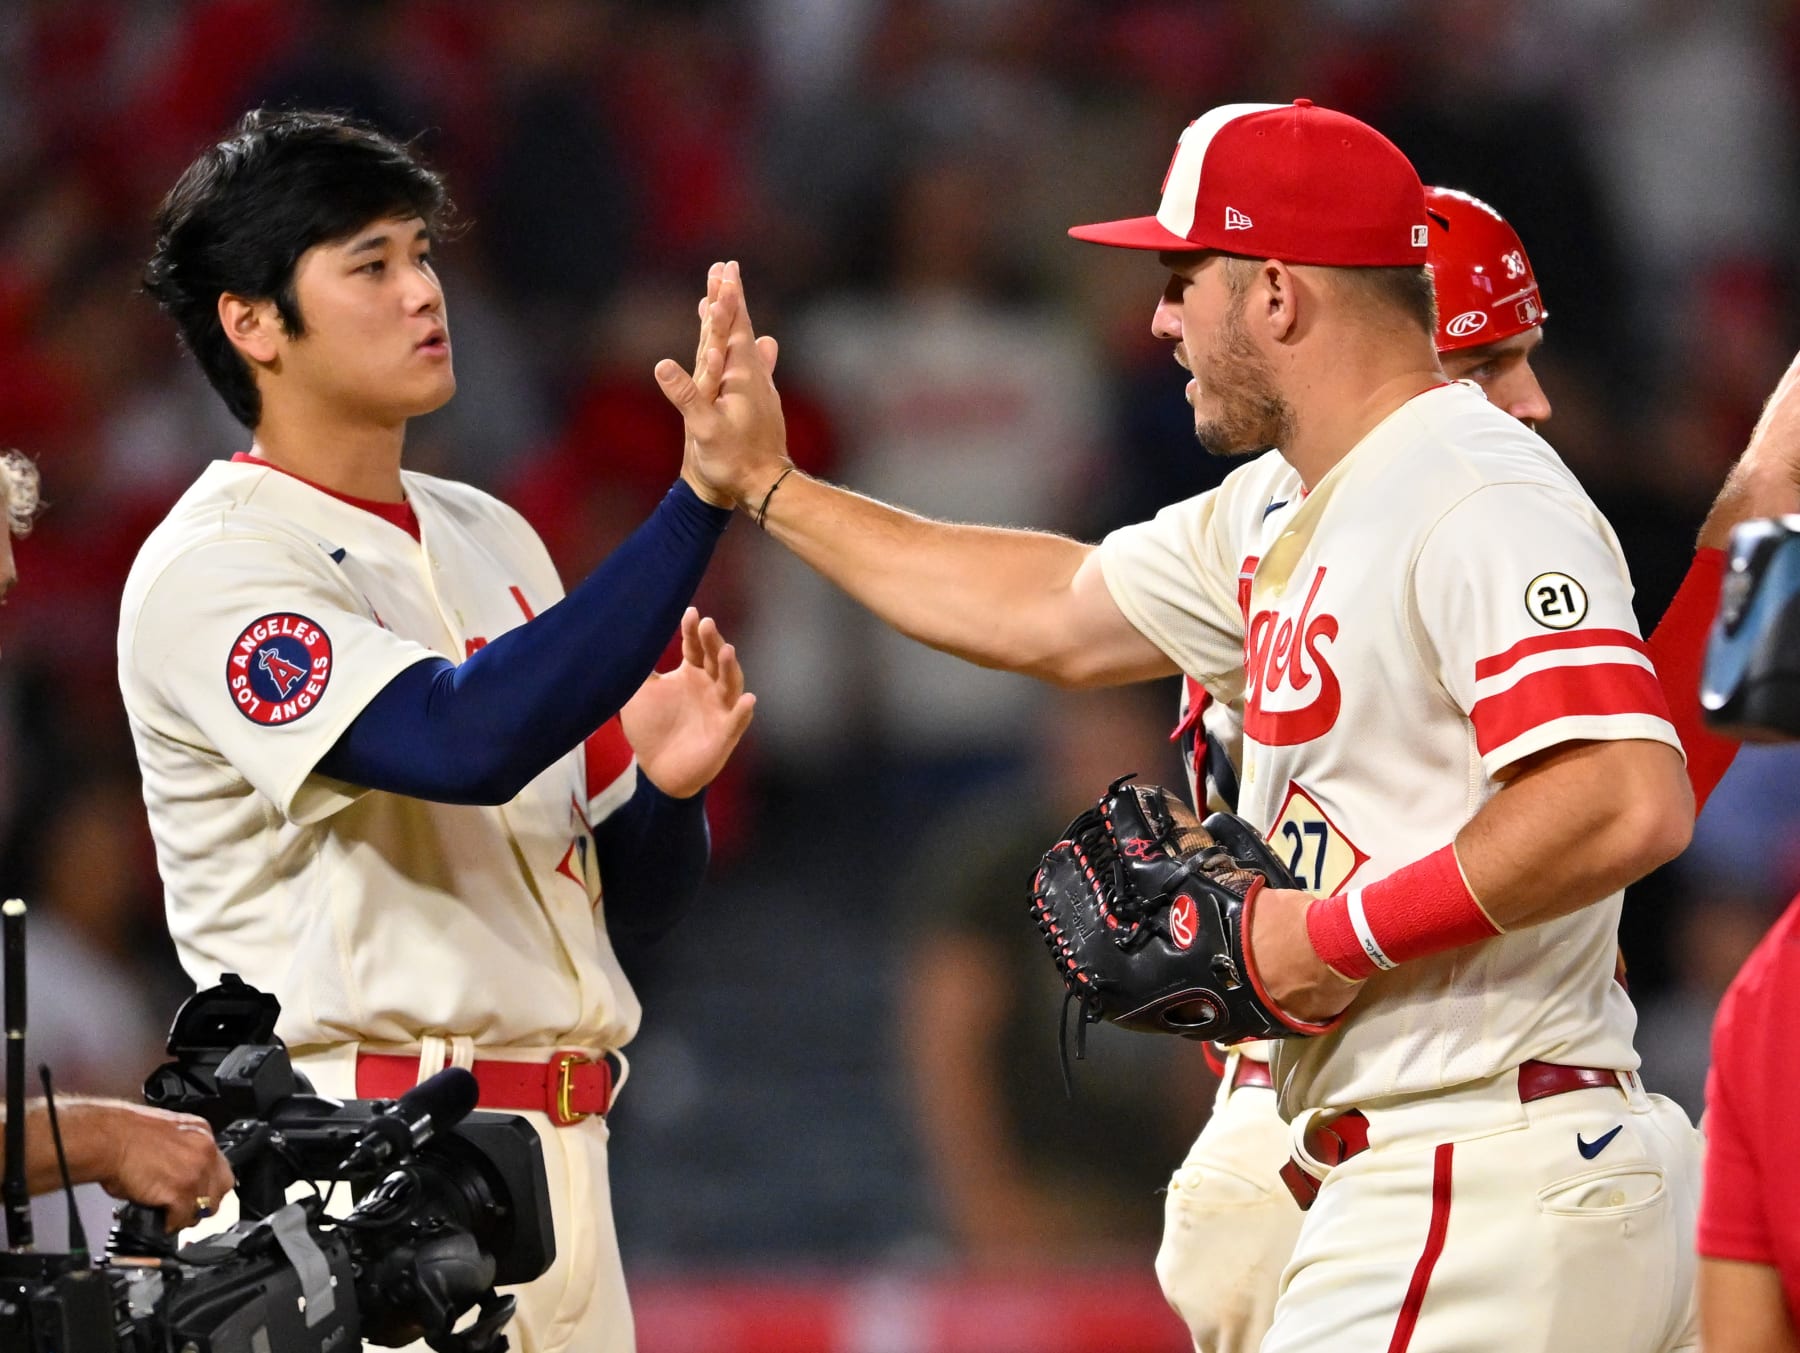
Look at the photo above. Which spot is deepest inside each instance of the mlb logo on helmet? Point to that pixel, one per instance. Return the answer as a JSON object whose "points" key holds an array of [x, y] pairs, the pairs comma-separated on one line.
{"points": [[1288, 181]]}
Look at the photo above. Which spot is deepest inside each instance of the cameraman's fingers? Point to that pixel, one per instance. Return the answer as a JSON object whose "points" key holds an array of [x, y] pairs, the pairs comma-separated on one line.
{"points": [[197, 1187], [219, 1179]]}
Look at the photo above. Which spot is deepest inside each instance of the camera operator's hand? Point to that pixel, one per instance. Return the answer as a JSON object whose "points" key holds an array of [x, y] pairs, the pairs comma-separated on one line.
{"points": [[149, 1156]]}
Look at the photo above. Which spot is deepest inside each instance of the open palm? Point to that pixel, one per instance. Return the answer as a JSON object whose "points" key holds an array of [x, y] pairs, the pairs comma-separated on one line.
{"points": [[684, 724]]}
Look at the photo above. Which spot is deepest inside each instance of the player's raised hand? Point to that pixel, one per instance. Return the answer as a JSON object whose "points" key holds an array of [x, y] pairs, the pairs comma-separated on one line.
{"points": [[736, 437], [684, 724]]}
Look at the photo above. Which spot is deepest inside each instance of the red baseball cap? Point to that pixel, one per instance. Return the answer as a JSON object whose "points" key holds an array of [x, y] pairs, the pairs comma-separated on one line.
{"points": [[1486, 290], [1287, 181]]}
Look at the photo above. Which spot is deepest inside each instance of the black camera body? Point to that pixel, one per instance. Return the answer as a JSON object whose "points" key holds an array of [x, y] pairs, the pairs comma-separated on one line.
{"points": [[1751, 685], [449, 1204]]}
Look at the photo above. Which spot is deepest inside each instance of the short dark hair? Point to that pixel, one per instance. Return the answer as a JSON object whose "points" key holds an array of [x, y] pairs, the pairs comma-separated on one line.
{"points": [[1408, 290], [243, 213]]}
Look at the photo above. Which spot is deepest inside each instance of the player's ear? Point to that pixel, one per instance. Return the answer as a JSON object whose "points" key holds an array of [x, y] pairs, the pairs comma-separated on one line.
{"points": [[252, 327], [1280, 297]]}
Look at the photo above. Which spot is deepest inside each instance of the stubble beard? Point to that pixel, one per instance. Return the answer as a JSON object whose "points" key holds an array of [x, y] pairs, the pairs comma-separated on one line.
{"points": [[1253, 417]]}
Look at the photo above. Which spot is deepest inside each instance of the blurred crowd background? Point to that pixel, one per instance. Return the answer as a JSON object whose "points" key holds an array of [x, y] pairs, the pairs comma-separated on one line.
{"points": [[849, 1056]]}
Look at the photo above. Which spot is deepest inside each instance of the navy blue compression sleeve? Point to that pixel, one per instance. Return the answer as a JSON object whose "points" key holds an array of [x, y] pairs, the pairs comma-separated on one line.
{"points": [[652, 853], [481, 730]]}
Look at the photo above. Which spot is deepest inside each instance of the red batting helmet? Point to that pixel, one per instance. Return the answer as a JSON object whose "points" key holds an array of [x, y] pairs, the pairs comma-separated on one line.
{"points": [[1486, 290]]}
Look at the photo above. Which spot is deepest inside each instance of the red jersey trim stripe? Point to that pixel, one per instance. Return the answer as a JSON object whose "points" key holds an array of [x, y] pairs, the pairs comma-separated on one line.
{"points": [[1434, 1247], [1544, 643], [1566, 692], [608, 757]]}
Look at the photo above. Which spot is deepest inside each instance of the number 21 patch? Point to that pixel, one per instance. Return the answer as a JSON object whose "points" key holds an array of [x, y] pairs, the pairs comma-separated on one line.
{"points": [[278, 668], [1319, 856], [1556, 601]]}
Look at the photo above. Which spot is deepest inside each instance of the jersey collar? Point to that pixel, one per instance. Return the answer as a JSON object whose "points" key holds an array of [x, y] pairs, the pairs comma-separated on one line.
{"points": [[395, 514]]}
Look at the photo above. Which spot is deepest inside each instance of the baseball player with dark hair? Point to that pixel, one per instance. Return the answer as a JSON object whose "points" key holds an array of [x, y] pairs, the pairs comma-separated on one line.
{"points": [[1229, 1223], [394, 775], [1430, 628]]}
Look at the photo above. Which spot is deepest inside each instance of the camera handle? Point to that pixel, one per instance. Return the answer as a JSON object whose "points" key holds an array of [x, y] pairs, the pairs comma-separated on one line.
{"points": [[140, 1232], [484, 1335]]}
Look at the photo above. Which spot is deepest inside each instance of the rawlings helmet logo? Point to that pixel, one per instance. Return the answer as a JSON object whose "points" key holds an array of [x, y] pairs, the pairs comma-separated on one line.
{"points": [[1184, 922], [1469, 322]]}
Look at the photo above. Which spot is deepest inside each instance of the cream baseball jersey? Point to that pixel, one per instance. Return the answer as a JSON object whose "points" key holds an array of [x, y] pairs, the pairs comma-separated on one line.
{"points": [[1444, 603], [259, 619]]}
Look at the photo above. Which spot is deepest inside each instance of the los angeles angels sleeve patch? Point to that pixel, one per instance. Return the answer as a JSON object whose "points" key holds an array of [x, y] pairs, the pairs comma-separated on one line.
{"points": [[278, 668]]}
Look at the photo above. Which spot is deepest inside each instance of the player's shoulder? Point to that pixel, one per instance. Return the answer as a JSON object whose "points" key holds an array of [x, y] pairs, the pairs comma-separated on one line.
{"points": [[463, 502], [1455, 441], [1256, 482], [221, 505], [1246, 495]]}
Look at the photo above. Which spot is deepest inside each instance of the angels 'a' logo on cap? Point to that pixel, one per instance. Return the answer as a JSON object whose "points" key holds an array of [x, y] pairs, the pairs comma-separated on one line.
{"points": [[278, 668], [1236, 220]]}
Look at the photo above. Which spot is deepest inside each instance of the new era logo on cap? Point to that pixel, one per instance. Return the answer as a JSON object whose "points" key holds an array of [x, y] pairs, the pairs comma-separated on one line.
{"points": [[1294, 182]]}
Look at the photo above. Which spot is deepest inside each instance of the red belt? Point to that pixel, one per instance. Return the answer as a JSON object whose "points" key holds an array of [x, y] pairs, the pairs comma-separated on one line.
{"points": [[1255, 1075], [1347, 1135], [568, 1086]]}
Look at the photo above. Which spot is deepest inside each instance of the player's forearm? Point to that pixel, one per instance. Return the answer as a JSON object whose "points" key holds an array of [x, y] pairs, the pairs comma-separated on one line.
{"points": [[1574, 827], [1743, 1309], [1578, 824], [478, 732], [993, 596], [1765, 481], [652, 854]]}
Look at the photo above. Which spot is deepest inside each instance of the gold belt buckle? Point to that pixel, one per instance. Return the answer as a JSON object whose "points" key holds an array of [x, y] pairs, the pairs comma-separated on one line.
{"points": [[562, 1112]]}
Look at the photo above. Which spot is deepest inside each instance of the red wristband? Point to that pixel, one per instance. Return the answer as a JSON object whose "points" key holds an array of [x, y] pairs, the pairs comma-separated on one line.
{"points": [[1425, 908]]}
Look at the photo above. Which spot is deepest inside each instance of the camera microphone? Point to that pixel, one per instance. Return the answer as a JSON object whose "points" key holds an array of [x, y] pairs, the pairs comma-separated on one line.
{"points": [[13, 1191], [435, 1105]]}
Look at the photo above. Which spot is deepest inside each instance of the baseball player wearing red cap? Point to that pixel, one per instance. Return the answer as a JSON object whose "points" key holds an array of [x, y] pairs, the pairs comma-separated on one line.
{"points": [[1229, 1224], [1430, 629]]}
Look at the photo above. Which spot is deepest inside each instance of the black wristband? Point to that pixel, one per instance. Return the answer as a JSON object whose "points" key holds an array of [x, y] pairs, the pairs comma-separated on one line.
{"points": [[762, 512]]}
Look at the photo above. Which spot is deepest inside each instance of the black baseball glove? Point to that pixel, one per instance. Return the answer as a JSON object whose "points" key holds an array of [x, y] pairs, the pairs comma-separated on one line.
{"points": [[1146, 911]]}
